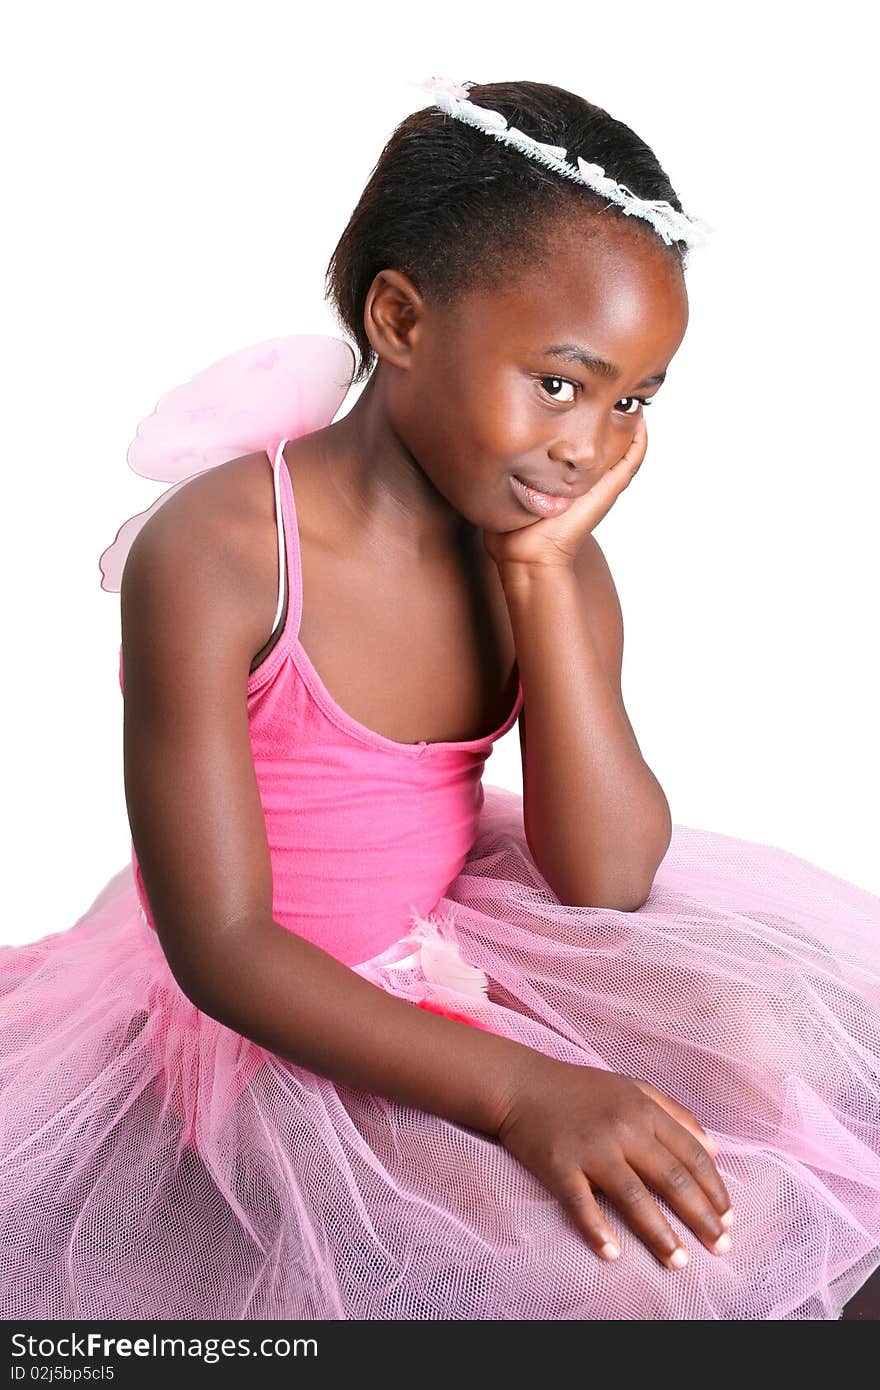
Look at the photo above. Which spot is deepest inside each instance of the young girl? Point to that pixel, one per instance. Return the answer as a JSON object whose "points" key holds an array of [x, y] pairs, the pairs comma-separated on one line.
{"points": [[354, 1035]]}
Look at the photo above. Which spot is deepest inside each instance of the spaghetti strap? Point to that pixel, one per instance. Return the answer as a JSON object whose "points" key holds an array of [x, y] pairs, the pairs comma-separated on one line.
{"points": [[279, 524], [288, 546], [289, 576]]}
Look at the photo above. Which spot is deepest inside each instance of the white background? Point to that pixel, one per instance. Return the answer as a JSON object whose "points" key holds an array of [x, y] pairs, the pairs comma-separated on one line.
{"points": [[177, 177]]}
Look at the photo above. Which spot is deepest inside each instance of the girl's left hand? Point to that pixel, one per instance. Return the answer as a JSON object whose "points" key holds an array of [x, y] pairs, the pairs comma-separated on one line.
{"points": [[555, 540]]}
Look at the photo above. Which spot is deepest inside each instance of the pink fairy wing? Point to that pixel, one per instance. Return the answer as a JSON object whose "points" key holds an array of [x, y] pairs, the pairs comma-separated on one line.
{"points": [[248, 401]]}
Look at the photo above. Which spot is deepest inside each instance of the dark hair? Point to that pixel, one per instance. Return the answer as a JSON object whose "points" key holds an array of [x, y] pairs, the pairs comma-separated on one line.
{"points": [[455, 209]]}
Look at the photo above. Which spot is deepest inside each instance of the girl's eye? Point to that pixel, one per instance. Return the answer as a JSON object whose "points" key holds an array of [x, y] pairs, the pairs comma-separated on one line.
{"points": [[560, 381], [638, 400], [555, 382]]}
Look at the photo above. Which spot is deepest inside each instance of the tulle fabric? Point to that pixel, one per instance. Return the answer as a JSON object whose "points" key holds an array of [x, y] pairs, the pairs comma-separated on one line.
{"points": [[155, 1164]]}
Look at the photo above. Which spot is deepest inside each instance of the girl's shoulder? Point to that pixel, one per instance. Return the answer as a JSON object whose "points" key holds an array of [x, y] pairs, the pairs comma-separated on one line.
{"points": [[231, 504], [229, 511]]}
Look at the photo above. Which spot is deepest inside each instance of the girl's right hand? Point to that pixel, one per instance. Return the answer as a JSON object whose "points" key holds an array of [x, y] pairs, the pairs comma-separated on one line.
{"points": [[579, 1128]]}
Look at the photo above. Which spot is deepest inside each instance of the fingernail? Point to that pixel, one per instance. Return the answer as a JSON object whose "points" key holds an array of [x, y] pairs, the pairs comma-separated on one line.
{"points": [[679, 1258], [726, 1218], [609, 1251], [722, 1244]]}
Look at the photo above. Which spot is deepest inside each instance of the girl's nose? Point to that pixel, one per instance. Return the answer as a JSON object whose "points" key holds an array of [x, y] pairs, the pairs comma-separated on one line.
{"points": [[583, 455], [583, 447]]}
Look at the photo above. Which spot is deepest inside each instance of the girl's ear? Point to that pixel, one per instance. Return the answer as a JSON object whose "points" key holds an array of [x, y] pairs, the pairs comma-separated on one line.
{"points": [[393, 312]]}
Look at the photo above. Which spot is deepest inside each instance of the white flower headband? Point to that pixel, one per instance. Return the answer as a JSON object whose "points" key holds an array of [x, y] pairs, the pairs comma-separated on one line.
{"points": [[672, 225]]}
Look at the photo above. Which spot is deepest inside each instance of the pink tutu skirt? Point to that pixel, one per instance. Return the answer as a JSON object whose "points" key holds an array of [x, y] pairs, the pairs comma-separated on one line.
{"points": [[155, 1164]]}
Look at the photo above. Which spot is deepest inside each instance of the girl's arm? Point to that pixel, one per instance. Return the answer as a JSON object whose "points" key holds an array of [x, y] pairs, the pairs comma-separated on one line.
{"points": [[597, 820]]}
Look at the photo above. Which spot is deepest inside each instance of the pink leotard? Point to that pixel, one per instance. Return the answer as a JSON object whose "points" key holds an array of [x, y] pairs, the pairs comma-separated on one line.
{"points": [[363, 831]]}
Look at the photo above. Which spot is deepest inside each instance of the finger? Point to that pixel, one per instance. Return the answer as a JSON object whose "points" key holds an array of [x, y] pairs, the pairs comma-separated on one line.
{"points": [[619, 475], [625, 1189], [679, 1113], [671, 1172], [698, 1159], [605, 491], [680, 1142], [638, 445], [576, 1195]]}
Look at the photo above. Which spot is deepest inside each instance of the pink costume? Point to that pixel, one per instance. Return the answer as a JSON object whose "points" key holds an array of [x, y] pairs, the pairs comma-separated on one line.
{"points": [[156, 1164]]}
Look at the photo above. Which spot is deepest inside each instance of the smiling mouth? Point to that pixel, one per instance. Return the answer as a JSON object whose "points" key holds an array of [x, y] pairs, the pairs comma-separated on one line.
{"points": [[549, 491], [537, 502]]}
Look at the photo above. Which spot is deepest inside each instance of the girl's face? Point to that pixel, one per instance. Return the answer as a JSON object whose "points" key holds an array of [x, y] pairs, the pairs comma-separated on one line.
{"points": [[544, 378]]}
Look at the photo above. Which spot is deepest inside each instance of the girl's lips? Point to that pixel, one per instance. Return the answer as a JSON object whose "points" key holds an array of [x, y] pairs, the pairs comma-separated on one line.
{"points": [[538, 503]]}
